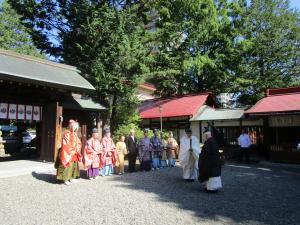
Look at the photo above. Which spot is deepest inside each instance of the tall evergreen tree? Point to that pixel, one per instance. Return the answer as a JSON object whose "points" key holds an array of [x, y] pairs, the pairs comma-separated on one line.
{"points": [[13, 35], [271, 53], [197, 45], [105, 39]]}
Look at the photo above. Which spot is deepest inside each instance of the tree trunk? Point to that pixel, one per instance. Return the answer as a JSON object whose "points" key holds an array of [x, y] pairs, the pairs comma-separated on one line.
{"points": [[113, 121]]}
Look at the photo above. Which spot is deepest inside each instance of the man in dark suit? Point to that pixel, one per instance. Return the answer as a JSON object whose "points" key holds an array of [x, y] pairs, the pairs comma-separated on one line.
{"points": [[132, 146]]}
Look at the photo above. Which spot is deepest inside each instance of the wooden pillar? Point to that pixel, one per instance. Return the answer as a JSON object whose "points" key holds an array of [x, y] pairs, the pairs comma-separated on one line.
{"points": [[99, 125], [241, 125], [277, 135], [200, 130], [266, 137], [83, 137], [51, 131]]}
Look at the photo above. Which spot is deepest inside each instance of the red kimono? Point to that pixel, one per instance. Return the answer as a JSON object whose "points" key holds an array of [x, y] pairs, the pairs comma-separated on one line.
{"points": [[71, 147]]}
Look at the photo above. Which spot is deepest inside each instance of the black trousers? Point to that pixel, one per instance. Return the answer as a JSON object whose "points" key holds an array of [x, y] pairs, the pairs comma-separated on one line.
{"points": [[132, 160], [244, 152], [145, 165]]}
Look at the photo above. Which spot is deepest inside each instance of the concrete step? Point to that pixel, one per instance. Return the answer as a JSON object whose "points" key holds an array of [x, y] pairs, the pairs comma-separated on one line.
{"points": [[24, 167]]}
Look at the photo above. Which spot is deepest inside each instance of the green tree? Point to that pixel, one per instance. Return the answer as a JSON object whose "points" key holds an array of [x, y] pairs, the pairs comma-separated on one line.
{"points": [[106, 40], [271, 53], [198, 47], [13, 35]]}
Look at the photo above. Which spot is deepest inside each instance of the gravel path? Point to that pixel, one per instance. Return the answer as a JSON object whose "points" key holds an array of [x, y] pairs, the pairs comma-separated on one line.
{"points": [[251, 195]]}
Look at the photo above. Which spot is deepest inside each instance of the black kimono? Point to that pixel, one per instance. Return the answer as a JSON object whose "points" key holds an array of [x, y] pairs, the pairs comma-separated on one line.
{"points": [[209, 161]]}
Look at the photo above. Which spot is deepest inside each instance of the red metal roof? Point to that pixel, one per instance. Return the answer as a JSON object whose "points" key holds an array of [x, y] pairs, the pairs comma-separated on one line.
{"points": [[278, 100], [173, 106]]}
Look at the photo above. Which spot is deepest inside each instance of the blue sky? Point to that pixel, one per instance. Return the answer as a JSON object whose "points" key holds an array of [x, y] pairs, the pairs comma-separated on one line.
{"points": [[295, 4]]}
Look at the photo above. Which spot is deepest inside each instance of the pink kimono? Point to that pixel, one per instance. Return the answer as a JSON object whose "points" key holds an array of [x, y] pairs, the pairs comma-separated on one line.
{"points": [[91, 157], [109, 156]]}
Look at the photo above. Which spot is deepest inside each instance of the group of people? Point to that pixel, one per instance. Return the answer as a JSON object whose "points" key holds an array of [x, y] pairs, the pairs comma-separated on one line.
{"points": [[99, 157], [156, 153], [105, 158]]}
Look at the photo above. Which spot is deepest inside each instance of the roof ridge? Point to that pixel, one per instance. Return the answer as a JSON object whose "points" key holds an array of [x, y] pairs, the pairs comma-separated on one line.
{"points": [[178, 96], [37, 60], [273, 95], [283, 91]]}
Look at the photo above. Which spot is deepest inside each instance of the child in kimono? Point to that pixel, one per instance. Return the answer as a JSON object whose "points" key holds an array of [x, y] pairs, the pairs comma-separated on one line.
{"points": [[91, 156], [108, 154]]}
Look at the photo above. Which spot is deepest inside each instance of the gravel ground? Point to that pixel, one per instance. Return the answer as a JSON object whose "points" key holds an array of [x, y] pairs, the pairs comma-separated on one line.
{"points": [[251, 195]]}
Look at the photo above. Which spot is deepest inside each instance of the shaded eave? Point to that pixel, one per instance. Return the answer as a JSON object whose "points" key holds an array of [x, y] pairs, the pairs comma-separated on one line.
{"points": [[273, 113], [80, 103], [51, 84], [207, 113]]}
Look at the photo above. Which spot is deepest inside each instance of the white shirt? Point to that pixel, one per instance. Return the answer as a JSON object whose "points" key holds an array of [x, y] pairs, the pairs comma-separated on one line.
{"points": [[132, 138], [244, 141]]}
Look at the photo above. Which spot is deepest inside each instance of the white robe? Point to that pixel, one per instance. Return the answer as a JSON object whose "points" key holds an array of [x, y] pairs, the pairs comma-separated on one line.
{"points": [[213, 183], [189, 160]]}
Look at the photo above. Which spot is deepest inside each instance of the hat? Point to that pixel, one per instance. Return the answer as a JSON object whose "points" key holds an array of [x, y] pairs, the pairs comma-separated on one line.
{"points": [[106, 130], [146, 130], [155, 130], [73, 125], [206, 129], [95, 130]]}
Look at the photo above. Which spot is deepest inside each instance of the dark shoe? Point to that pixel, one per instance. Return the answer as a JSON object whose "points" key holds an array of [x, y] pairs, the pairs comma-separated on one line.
{"points": [[211, 191], [189, 180]]}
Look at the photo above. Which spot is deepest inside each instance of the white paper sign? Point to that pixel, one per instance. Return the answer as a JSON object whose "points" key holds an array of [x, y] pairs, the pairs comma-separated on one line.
{"points": [[12, 111], [36, 113], [28, 114], [21, 112], [3, 110]]}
